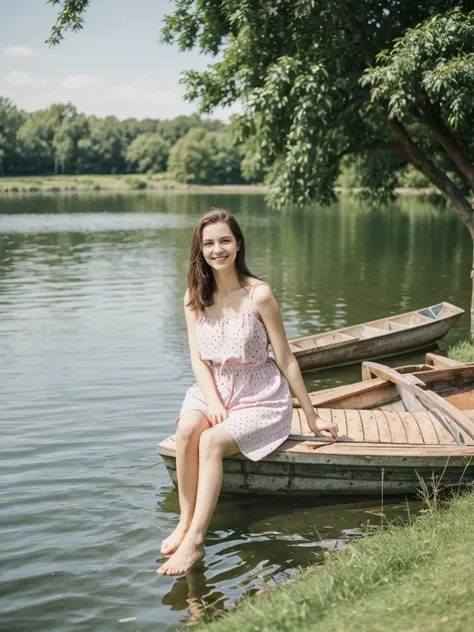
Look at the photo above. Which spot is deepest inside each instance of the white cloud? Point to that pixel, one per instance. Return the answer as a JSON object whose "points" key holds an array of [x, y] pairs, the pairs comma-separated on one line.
{"points": [[79, 82], [20, 51], [21, 79]]}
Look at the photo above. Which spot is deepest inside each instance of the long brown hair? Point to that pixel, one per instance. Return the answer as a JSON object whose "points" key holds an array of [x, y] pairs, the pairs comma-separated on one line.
{"points": [[201, 284]]}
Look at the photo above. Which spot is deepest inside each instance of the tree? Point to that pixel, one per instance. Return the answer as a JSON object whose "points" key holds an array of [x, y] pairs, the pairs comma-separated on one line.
{"points": [[204, 157], [382, 83], [11, 120], [148, 153], [48, 138], [174, 129], [102, 149]]}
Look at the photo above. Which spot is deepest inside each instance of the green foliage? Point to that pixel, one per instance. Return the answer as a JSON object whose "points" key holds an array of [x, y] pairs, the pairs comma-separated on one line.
{"points": [[148, 153], [301, 71], [59, 139], [205, 157], [70, 17], [435, 61], [463, 351], [172, 130], [11, 120]]}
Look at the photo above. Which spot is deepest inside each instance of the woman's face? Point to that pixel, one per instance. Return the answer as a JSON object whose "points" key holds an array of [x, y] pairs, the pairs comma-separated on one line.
{"points": [[219, 246]]}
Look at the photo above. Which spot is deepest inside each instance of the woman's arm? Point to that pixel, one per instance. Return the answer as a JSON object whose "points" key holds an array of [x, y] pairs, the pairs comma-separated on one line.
{"points": [[269, 311], [201, 370]]}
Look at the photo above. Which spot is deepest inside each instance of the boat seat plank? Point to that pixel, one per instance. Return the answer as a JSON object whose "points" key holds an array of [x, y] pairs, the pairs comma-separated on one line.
{"points": [[369, 424], [397, 429], [427, 428], [355, 430], [411, 427], [339, 418], [382, 424]]}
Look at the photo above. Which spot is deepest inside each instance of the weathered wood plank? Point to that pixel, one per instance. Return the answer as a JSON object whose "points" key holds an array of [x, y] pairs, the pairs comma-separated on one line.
{"points": [[384, 428], [397, 429], [411, 427], [430, 399], [428, 430], [445, 437], [371, 431], [355, 429], [304, 423], [391, 375], [440, 361], [339, 418]]}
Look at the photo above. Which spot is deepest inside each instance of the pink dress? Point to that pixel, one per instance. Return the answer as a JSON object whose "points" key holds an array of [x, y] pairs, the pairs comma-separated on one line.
{"points": [[250, 385]]}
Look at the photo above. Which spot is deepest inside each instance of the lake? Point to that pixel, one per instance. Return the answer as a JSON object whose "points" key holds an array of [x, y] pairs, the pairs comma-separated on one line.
{"points": [[94, 367]]}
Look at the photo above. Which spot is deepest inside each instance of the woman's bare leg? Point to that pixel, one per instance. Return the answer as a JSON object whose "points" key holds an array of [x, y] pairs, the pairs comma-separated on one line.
{"points": [[190, 427], [214, 445]]}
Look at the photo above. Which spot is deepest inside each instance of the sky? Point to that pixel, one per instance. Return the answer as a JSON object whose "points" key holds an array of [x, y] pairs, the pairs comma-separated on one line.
{"points": [[115, 66]]}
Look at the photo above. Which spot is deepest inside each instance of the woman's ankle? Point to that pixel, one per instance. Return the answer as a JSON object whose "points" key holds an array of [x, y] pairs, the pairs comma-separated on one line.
{"points": [[195, 537]]}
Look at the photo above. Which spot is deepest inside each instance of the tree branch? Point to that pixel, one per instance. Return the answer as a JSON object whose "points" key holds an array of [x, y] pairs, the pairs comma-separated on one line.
{"points": [[432, 118], [447, 187]]}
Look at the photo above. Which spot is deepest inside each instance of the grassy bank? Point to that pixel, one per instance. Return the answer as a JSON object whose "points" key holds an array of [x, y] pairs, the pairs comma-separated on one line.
{"points": [[463, 351], [119, 183], [408, 578]]}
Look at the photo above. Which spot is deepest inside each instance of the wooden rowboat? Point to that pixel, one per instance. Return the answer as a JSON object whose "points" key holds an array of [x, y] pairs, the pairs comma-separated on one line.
{"points": [[382, 445], [377, 338]]}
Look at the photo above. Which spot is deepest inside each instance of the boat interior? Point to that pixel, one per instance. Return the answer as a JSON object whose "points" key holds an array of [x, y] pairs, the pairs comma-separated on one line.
{"points": [[430, 404], [376, 327]]}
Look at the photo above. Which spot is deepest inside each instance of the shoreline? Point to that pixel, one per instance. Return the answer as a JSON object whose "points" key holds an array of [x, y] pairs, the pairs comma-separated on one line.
{"points": [[411, 577], [144, 184]]}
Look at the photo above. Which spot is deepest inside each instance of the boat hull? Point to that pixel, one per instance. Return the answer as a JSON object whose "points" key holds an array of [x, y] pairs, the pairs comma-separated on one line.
{"points": [[285, 473], [392, 343]]}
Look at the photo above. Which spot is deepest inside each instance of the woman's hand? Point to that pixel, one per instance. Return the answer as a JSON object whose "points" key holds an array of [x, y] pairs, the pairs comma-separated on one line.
{"points": [[216, 412], [316, 425]]}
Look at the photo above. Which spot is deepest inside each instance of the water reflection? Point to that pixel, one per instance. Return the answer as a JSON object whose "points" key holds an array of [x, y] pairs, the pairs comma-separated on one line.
{"points": [[255, 543]]}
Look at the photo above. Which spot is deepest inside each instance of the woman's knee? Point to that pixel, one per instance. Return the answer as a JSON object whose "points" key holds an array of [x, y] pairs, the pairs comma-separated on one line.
{"points": [[210, 444], [191, 425]]}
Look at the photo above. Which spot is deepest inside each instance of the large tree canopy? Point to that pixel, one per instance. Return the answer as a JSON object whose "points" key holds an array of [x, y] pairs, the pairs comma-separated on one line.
{"points": [[321, 82]]}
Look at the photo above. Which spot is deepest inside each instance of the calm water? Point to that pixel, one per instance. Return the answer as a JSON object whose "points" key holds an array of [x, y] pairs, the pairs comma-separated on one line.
{"points": [[94, 366]]}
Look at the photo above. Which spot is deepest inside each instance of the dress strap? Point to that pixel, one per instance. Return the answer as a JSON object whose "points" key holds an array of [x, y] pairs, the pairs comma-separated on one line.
{"points": [[253, 290]]}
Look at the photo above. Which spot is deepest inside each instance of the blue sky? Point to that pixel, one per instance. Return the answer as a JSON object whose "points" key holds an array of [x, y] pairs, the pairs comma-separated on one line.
{"points": [[115, 66]]}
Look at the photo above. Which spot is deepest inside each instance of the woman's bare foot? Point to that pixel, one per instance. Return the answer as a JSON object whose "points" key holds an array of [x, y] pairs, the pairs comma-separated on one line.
{"points": [[172, 542], [188, 554]]}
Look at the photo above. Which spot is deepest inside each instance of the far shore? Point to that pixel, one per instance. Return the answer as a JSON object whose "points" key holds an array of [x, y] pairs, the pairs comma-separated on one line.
{"points": [[143, 184]]}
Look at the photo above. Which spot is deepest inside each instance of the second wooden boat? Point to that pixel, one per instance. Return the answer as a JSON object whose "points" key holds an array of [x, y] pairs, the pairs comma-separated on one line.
{"points": [[376, 339]]}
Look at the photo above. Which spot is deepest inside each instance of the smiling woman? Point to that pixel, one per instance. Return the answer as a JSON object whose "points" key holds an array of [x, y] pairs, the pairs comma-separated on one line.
{"points": [[241, 401]]}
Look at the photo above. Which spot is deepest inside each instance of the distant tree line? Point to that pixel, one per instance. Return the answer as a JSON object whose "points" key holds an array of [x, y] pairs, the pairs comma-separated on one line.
{"points": [[61, 140]]}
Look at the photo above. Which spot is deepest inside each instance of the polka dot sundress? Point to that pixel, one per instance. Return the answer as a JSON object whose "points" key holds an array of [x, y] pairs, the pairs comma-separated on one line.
{"points": [[250, 385]]}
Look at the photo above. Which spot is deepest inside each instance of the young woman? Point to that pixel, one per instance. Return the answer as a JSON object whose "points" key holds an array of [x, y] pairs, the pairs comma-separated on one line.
{"points": [[241, 401]]}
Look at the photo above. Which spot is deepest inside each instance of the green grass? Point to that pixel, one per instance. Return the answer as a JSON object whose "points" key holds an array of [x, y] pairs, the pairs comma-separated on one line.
{"points": [[463, 351], [416, 578]]}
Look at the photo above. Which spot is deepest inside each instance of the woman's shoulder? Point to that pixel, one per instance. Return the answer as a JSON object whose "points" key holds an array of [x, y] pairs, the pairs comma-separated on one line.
{"points": [[259, 290]]}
